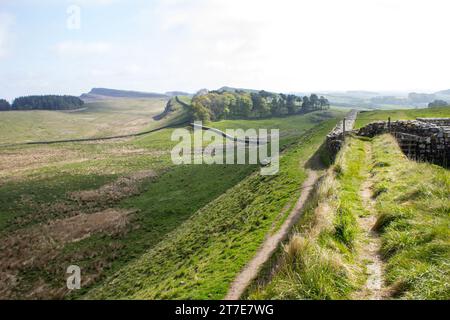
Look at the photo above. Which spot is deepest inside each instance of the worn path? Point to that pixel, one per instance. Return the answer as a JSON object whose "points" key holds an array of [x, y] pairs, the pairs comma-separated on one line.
{"points": [[251, 270]]}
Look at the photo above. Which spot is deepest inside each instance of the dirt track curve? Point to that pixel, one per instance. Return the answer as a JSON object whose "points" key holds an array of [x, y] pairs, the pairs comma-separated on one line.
{"points": [[251, 270]]}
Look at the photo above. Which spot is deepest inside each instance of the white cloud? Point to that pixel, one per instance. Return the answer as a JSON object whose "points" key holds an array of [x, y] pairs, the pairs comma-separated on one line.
{"points": [[283, 45], [81, 48], [307, 45], [6, 23], [92, 2]]}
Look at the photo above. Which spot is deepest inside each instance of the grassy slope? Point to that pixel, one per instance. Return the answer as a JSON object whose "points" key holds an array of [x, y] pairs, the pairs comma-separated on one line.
{"points": [[408, 114], [44, 175], [290, 127], [413, 207], [199, 259], [103, 118]]}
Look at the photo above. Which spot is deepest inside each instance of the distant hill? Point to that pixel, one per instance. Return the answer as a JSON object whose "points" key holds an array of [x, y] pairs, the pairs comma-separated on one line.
{"points": [[362, 92], [177, 93], [421, 97], [103, 93], [445, 92], [231, 89]]}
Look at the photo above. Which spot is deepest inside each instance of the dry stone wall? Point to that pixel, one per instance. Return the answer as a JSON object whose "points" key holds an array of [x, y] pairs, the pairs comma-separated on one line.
{"points": [[424, 139], [336, 137]]}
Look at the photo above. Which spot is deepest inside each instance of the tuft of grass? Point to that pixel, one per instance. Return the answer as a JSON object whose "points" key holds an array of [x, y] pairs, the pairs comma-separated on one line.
{"points": [[379, 189], [345, 226], [338, 170], [381, 164]]}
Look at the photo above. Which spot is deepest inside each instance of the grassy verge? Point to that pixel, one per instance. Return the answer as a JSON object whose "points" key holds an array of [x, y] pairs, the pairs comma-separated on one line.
{"points": [[319, 260], [413, 201]]}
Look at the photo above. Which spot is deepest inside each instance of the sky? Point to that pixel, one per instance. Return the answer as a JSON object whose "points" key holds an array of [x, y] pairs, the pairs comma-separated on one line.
{"points": [[46, 47]]}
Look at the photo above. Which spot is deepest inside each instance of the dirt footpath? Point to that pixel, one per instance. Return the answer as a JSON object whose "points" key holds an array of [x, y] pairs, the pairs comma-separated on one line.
{"points": [[270, 245]]}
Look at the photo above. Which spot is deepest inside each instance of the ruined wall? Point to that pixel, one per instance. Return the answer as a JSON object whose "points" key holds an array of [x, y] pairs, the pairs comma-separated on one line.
{"points": [[421, 139], [336, 137], [437, 121]]}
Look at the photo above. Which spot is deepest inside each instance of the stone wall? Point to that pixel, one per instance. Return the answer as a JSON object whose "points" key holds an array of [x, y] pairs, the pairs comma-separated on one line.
{"points": [[336, 137], [421, 139], [437, 121]]}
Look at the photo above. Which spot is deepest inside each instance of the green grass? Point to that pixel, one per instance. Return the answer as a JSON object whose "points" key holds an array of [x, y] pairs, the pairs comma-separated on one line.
{"points": [[33, 178], [414, 221], [200, 258], [96, 119], [365, 118], [290, 127], [321, 261], [316, 262], [164, 205]]}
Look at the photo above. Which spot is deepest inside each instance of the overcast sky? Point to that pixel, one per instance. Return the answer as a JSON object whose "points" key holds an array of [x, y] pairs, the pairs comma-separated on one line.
{"points": [[282, 45]]}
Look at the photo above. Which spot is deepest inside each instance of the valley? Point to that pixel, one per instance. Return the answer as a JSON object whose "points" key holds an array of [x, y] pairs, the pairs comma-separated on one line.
{"points": [[120, 202], [141, 227]]}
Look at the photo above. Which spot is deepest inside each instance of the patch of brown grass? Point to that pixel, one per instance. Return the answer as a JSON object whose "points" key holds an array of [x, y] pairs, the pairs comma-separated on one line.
{"points": [[121, 188], [34, 247]]}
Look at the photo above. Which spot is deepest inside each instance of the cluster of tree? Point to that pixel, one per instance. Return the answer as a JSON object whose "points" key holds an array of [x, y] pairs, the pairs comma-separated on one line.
{"points": [[220, 105], [438, 103], [4, 105], [49, 102]]}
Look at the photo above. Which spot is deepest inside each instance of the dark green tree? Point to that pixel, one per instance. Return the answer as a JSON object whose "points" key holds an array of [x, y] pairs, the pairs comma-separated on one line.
{"points": [[324, 103], [438, 103], [4, 105], [49, 102]]}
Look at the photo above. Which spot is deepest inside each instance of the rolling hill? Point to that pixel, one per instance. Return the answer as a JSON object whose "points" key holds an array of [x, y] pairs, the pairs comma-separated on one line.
{"points": [[103, 94]]}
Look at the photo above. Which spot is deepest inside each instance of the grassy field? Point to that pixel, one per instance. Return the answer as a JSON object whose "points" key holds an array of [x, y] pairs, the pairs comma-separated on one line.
{"points": [[199, 259], [102, 205], [290, 127], [96, 119], [323, 258], [407, 114]]}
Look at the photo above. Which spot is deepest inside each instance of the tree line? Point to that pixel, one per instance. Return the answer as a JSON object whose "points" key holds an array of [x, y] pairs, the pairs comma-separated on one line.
{"points": [[4, 105], [46, 102], [220, 105], [438, 103]]}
